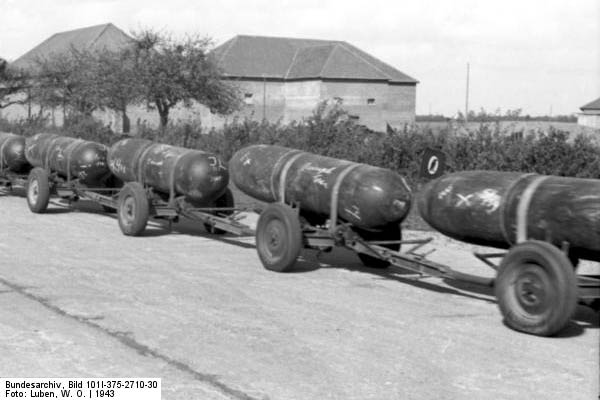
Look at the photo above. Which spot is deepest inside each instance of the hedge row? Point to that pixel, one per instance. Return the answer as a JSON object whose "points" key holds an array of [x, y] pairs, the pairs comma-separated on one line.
{"points": [[329, 132]]}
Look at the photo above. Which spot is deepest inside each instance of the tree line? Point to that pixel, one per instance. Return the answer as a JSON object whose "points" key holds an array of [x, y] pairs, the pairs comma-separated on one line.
{"points": [[155, 70]]}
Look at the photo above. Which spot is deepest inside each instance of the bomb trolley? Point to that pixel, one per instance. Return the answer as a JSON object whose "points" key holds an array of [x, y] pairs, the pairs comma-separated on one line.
{"points": [[136, 203], [43, 183], [71, 169], [535, 285]]}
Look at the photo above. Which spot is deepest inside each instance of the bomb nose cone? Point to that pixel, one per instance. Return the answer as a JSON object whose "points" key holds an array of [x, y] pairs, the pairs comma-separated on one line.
{"points": [[13, 152]]}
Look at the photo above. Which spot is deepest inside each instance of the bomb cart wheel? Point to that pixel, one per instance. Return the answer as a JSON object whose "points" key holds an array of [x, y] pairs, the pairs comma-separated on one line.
{"points": [[392, 232], [38, 190], [133, 209], [226, 201], [278, 237], [536, 288]]}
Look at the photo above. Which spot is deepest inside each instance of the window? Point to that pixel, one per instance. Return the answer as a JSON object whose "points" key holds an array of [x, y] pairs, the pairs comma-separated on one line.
{"points": [[248, 98], [371, 101]]}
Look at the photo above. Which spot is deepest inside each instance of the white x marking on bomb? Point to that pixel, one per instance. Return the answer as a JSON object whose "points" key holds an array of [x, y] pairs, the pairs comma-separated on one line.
{"points": [[464, 200]]}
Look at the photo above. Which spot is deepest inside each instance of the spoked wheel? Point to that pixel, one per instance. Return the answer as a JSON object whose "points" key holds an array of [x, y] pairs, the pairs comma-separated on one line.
{"points": [[38, 190], [536, 288], [390, 233], [226, 201], [134, 209], [278, 237]]}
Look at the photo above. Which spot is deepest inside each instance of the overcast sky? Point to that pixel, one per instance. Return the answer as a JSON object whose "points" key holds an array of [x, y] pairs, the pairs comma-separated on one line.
{"points": [[529, 54]]}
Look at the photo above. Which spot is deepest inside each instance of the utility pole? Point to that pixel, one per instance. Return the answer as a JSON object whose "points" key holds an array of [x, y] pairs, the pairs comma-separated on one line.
{"points": [[467, 97], [264, 97]]}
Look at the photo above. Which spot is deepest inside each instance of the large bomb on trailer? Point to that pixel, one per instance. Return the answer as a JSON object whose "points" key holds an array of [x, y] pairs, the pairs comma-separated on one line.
{"points": [[367, 197], [12, 153], [199, 176], [71, 158], [500, 209]]}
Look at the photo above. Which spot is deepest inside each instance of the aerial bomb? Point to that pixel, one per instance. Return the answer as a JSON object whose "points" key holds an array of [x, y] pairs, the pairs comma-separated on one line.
{"points": [[367, 197], [69, 157], [12, 153], [500, 209], [199, 176]]}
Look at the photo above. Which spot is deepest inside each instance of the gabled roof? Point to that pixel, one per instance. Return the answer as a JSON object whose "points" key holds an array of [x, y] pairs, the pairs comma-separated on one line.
{"points": [[98, 37], [594, 105], [291, 59]]}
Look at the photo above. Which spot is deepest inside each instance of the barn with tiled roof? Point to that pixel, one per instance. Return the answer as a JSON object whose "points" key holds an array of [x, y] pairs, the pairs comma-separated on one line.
{"points": [[97, 37], [285, 78]]}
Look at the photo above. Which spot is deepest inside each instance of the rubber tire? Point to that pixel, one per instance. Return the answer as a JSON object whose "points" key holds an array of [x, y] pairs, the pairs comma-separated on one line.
{"points": [[39, 182], [133, 209], [278, 237], [392, 232], [226, 200], [553, 277]]}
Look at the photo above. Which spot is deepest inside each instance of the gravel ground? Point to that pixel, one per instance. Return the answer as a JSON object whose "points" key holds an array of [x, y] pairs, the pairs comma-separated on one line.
{"points": [[77, 298]]}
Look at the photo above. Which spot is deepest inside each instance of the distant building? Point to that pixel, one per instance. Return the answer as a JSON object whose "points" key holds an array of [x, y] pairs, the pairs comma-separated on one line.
{"points": [[280, 79], [285, 78], [98, 37], [590, 114]]}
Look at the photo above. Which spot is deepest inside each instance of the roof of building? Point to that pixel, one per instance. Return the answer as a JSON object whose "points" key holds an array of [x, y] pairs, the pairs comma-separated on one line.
{"points": [[594, 105], [292, 59], [98, 37]]}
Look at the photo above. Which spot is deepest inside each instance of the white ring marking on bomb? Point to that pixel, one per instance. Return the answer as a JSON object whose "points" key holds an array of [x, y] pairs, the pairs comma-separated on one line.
{"points": [[283, 176], [334, 195], [523, 207], [502, 211], [275, 167]]}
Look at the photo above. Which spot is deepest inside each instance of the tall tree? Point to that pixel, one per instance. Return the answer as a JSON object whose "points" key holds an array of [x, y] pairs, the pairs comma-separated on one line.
{"points": [[84, 81], [175, 72], [65, 80], [115, 82]]}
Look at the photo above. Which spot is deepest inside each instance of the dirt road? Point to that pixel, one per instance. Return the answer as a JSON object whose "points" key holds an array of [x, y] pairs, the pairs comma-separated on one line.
{"points": [[79, 299]]}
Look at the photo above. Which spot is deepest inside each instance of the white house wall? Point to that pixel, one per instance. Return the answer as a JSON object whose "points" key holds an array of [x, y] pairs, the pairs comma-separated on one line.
{"points": [[589, 119]]}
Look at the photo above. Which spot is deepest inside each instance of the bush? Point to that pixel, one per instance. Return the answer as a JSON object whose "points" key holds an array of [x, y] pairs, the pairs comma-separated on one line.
{"points": [[329, 132]]}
